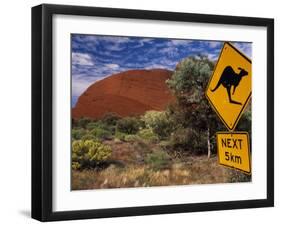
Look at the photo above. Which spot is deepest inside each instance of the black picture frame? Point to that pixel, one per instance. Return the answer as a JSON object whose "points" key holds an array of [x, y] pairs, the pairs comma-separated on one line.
{"points": [[42, 107]]}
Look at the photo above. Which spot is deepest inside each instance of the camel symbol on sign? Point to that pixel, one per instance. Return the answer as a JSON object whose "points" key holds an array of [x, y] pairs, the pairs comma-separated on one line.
{"points": [[230, 78]]}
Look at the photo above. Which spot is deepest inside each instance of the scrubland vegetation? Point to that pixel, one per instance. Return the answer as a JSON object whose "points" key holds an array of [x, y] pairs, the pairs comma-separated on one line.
{"points": [[171, 147]]}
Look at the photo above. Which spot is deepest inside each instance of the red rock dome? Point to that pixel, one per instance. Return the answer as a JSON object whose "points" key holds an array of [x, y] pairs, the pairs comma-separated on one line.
{"points": [[127, 93]]}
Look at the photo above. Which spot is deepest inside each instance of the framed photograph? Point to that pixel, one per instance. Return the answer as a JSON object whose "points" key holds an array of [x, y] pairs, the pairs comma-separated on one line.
{"points": [[145, 112]]}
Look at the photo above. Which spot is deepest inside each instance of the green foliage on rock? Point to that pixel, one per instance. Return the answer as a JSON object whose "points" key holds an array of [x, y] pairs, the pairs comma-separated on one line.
{"points": [[88, 153]]}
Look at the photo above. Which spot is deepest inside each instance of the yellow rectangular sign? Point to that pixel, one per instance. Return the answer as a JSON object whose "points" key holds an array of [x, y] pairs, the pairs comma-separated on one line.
{"points": [[234, 150]]}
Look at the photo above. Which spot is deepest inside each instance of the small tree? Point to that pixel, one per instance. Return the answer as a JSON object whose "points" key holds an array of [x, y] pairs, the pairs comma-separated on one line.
{"points": [[192, 110], [159, 122]]}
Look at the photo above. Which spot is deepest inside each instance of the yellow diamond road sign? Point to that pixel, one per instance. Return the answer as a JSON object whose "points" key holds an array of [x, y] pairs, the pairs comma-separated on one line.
{"points": [[234, 150], [230, 87]]}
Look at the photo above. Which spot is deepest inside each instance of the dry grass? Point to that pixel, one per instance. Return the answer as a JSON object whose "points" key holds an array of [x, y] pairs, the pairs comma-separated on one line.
{"points": [[197, 171], [129, 168]]}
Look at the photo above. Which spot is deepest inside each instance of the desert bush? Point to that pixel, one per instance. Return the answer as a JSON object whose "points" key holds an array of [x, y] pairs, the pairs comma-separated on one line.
{"points": [[83, 122], [110, 118], [159, 122], [128, 125], [165, 145], [188, 139], [77, 134], [93, 125], [148, 134], [181, 139], [101, 133], [141, 146], [89, 153], [131, 137], [157, 160], [76, 166], [100, 124], [120, 136], [89, 136]]}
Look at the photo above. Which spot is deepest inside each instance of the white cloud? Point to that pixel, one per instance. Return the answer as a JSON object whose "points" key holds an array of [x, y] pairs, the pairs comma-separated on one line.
{"points": [[82, 59], [181, 42], [146, 40], [114, 47], [113, 39], [212, 56], [112, 66], [171, 51], [167, 62], [245, 48], [80, 84], [214, 44], [158, 66]]}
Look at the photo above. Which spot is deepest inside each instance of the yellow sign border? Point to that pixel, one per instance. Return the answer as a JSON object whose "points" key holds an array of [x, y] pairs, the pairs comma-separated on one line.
{"points": [[249, 153], [208, 85]]}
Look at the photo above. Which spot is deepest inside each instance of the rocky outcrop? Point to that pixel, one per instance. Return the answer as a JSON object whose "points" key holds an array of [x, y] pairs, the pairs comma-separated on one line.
{"points": [[127, 93]]}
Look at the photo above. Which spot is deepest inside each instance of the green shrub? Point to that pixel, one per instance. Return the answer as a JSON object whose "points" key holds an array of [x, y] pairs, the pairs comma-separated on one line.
{"points": [[93, 125], [120, 135], [159, 122], [89, 137], [76, 166], [89, 153], [148, 134], [131, 137], [101, 133], [101, 125], [83, 122], [110, 118], [157, 160], [77, 134], [188, 139], [165, 145], [129, 125], [181, 139]]}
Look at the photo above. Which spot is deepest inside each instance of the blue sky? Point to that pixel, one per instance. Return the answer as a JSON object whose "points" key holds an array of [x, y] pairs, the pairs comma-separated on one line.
{"points": [[95, 57]]}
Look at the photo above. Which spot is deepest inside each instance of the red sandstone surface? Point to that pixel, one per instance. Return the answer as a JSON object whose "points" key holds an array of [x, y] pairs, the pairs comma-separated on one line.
{"points": [[127, 93]]}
